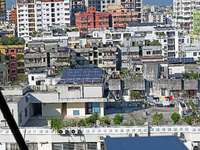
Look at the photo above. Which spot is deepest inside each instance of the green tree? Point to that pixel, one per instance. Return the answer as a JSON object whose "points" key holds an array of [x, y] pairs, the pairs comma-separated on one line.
{"points": [[81, 123], [56, 123], [189, 120], [175, 117], [76, 29], [92, 119], [157, 119], [118, 119]]}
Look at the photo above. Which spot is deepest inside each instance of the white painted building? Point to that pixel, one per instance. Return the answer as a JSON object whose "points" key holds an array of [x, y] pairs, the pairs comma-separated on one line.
{"points": [[93, 138], [34, 15], [8, 14], [183, 13], [156, 18]]}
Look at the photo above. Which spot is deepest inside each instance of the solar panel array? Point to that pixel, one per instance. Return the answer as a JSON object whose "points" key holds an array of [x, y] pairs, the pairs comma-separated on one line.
{"points": [[36, 70], [183, 60], [173, 60], [81, 76], [187, 60]]}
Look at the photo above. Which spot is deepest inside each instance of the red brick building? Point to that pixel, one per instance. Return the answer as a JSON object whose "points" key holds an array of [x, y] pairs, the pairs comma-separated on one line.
{"points": [[14, 16], [113, 18], [91, 19]]}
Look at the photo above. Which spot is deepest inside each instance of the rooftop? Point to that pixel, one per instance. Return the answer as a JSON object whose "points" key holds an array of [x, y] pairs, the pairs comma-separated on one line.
{"points": [[141, 24]]}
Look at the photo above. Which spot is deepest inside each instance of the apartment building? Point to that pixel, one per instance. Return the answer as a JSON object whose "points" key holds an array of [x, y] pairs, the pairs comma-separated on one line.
{"points": [[116, 16], [47, 52], [13, 57], [8, 14], [122, 16], [94, 55], [183, 13], [156, 18], [8, 29], [34, 15], [196, 21], [92, 19], [3, 10]]}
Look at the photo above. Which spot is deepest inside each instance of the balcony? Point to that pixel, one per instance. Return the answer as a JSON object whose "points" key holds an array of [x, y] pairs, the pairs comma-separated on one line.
{"points": [[124, 57], [84, 66], [124, 65], [33, 64], [109, 57]]}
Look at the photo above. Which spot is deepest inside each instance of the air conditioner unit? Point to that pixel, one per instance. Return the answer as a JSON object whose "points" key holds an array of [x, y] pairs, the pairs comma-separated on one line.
{"points": [[62, 131], [177, 134], [75, 131]]}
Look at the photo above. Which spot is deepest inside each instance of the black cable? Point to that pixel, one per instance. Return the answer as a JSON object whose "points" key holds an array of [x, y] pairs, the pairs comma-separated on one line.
{"points": [[12, 124]]}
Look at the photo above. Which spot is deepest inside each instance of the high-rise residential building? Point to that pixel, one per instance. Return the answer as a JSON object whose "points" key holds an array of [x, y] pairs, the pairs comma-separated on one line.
{"points": [[41, 14], [156, 18], [8, 14], [196, 21], [2, 10], [183, 13]]}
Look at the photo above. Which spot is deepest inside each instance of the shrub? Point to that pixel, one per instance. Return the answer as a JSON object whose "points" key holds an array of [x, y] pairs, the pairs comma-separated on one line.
{"points": [[125, 124], [189, 120], [104, 120], [70, 123], [81, 123], [92, 119], [157, 119], [175, 117], [56, 123], [118, 119]]}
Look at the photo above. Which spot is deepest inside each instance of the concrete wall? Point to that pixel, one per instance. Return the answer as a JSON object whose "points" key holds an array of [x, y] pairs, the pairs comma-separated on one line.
{"points": [[44, 97], [35, 75], [114, 84], [150, 71], [93, 91], [134, 84], [189, 67], [75, 106], [65, 93], [51, 110], [190, 84], [14, 110]]}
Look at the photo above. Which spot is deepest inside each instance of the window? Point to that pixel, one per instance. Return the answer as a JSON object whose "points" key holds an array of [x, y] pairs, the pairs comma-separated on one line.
{"points": [[150, 84], [12, 50], [26, 112], [194, 53], [163, 92], [75, 112], [6, 50], [199, 53], [12, 64], [20, 118], [88, 108], [13, 70], [148, 52], [32, 78], [73, 88], [12, 57]]}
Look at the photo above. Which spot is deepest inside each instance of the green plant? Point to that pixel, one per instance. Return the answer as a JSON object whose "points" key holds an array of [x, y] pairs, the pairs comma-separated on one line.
{"points": [[107, 34], [20, 56], [76, 29], [189, 120], [56, 123], [175, 117], [15, 83], [154, 43], [191, 75], [104, 120], [92, 119], [157, 119], [199, 118], [134, 118], [166, 122], [64, 60], [81, 123], [125, 124], [119, 44], [118, 119], [134, 94], [70, 123]]}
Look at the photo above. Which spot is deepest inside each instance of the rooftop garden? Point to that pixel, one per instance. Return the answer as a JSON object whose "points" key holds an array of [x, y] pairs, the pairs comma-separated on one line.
{"points": [[155, 43], [12, 41]]}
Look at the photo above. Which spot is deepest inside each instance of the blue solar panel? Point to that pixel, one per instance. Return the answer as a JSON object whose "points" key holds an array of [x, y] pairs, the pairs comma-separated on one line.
{"points": [[81, 75]]}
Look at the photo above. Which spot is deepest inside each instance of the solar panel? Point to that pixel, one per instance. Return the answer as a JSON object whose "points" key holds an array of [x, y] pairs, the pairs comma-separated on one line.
{"points": [[81, 75]]}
